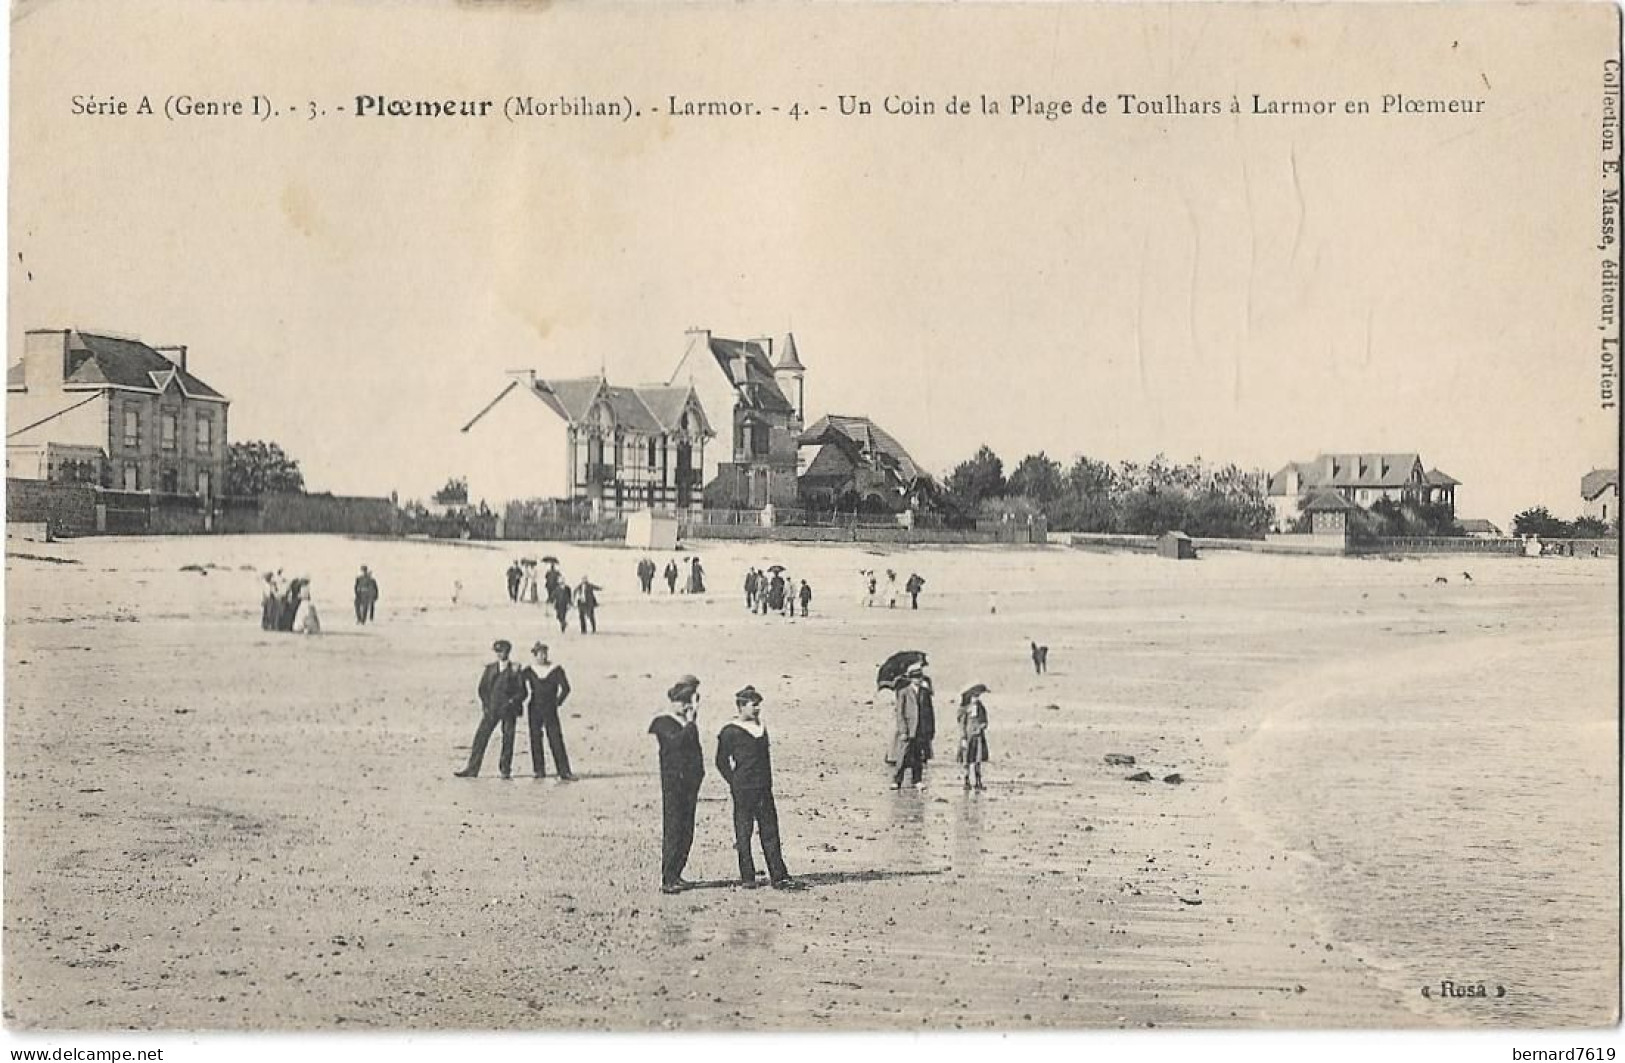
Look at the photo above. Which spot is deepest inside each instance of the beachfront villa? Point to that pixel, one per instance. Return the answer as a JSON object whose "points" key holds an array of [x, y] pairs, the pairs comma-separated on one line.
{"points": [[856, 462], [88, 408], [615, 449], [1599, 494], [1362, 479], [755, 461]]}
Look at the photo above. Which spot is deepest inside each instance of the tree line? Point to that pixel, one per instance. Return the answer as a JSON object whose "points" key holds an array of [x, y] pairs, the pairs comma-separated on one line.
{"points": [[1135, 498]]}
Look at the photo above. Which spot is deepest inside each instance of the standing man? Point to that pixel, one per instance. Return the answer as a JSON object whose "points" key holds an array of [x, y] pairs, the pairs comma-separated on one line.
{"points": [[750, 590], [745, 760], [671, 576], [587, 605], [366, 595], [515, 574], [502, 699], [646, 575], [805, 594], [548, 688], [910, 742], [914, 585], [682, 769]]}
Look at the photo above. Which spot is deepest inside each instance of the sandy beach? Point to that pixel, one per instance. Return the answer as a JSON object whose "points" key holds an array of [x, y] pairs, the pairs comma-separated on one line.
{"points": [[1389, 781]]}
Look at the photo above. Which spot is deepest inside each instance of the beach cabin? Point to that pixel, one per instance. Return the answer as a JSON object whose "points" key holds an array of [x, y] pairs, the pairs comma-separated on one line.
{"points": [[1177, 546], [1329, 514], [648, 530]]}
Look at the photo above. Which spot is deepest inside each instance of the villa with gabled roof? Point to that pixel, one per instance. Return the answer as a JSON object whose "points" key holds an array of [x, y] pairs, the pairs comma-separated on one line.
{"points": [[854, 457], [113, 411], [619, 449], [759, 405], [1362, 479]]}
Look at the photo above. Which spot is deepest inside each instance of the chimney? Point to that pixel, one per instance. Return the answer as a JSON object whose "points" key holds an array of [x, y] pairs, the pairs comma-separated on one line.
{"points": [[45, 359], [176, 355], [1331, 466]]}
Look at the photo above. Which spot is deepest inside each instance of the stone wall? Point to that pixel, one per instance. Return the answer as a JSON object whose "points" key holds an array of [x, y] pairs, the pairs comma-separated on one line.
{"points": [[65, 509]]}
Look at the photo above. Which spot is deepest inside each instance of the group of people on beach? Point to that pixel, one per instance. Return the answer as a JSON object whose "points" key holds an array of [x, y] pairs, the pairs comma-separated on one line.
{"points": [[695, 583], [286, 605], [551, 587], [773, 591], [508, 691], [873, 593], [915, 731], [744, 759]]}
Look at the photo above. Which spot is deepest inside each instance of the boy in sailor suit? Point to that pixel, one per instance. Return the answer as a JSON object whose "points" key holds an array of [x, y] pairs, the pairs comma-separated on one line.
{"points": [[744, 759]]}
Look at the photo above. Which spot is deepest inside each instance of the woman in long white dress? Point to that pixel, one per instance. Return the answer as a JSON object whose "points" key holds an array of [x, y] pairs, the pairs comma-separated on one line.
{"points": [[305, 621]]}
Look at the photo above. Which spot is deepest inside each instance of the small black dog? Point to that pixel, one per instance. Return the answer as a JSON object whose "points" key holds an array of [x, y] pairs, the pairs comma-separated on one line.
{"points": [[1040, 658]]}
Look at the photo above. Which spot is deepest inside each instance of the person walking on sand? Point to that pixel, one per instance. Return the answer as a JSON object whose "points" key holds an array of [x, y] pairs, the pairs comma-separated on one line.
{"points": [[366, 596], [751, 584], [552, 580], [671, 576], [744, 758], [696, 577], [646, 575], [914, 585], [682, 769], [560, 601], [874, 583], [515, 576], [973, 733], [805, 595], [502, 699], [547, 688], [587, 605], [891, 589]]}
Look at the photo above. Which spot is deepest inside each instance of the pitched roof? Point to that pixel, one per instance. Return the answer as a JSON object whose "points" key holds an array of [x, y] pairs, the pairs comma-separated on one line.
{"points": [[789, 358], [1597, 481], [1390, 469], [651, 409], [867, 442], [1478, 526], [1326, 501], [748, 368], [1435, 478], [127, 363], [830, 463], [94, 360]]}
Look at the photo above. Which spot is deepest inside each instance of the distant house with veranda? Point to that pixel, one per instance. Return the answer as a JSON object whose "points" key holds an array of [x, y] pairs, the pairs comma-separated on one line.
{"points": [[1599, 494], [1360, 478], [90, 408], [615, 449], [757, 404]]}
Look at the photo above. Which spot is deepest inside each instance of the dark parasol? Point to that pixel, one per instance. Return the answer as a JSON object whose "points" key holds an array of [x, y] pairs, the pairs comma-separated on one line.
{"points": [[895, 665]]}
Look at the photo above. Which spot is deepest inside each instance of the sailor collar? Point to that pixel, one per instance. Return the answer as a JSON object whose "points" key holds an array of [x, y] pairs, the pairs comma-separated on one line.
{"points": [[754, 728]]}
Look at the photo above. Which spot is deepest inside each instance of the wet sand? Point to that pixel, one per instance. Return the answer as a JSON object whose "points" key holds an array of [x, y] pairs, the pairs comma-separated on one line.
{"points": [[211, 827]]}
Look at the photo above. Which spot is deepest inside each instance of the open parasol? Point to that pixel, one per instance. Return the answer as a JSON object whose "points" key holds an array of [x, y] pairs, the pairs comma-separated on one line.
{"points": [[896, 665], [549, 560], [775, 568], [974, 692]]}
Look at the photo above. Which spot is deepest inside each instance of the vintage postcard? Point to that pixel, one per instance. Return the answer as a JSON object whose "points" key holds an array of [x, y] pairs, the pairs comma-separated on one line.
{"points": [[841, 517]]}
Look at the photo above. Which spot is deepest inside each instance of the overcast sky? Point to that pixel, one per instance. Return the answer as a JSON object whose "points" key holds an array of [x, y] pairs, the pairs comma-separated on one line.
{"points": [[1252, 288]]}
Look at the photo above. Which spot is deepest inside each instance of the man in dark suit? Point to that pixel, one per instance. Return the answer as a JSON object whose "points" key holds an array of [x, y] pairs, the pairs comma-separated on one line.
{"points": [[502, 699], [745, 760], [366, 595], [682, 768], [548, 687]]}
